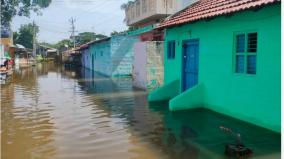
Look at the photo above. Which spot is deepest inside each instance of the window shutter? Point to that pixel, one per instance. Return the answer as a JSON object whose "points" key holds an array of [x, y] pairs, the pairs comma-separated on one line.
{"points": [[252, 43]]}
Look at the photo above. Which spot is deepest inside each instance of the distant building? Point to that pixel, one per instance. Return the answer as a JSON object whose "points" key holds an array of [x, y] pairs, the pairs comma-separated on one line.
{"points": [[85, 56], [7, 41], [52, 53]]}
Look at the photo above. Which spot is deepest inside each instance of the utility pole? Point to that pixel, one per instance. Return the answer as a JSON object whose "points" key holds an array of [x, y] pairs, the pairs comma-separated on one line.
{"points": [[34, 39], [72, 21]]}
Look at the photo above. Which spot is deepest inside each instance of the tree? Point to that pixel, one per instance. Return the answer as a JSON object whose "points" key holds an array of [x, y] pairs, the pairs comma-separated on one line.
{"points": [[15, 36], [26, 35], [11, 8], [100, 36], [125, 6], [114, 33], [47, 44], [117, 33], [86, 37], [63, 44]]}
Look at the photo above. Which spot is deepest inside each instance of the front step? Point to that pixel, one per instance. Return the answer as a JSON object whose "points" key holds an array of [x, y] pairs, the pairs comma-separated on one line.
{"points": [[192, 98]]}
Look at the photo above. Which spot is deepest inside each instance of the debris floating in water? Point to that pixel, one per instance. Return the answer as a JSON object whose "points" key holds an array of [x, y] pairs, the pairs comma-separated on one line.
{"points": [[238, 149]]}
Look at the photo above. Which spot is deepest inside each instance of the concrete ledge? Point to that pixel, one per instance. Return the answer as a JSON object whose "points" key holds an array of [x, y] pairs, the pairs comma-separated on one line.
{"points": [[165, 92], [192, 98]]}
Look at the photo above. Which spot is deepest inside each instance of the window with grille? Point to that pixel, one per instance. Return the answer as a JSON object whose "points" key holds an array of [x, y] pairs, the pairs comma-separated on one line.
{"points": [[246, 51], [171, 49]]}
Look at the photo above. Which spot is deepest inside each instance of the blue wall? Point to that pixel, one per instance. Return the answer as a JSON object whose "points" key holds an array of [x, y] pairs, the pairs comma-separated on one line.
{"points": [[113, 57], [86, 59], [100, 57]]}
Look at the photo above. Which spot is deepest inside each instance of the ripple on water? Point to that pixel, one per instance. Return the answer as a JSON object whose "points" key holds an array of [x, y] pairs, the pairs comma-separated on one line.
{"points": [[64, 114]]}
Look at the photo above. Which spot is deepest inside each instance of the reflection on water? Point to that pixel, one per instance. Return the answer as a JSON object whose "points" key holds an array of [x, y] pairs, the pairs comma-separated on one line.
{"points": [[51, 112]]}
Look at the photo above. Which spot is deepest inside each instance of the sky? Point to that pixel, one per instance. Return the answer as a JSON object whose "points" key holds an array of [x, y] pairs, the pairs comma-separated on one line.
{"points": [[99, 16]]}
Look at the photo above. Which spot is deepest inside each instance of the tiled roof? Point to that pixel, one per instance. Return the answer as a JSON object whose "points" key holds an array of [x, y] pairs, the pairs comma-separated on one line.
{"points": [[83, 47], [204, 9]]}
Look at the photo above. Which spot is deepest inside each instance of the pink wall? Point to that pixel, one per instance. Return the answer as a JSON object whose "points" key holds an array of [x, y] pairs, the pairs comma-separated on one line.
{"points": [[139, 65]]}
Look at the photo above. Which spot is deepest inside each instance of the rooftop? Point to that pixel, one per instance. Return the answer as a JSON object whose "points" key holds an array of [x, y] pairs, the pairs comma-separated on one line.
{"points": [[204, 9], [98, 41]]}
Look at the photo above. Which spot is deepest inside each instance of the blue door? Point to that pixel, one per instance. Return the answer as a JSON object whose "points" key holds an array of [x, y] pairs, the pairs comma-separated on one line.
{"points": [[190, 63]]}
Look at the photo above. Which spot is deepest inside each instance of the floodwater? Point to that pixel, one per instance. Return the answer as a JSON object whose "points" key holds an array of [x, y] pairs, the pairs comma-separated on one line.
{"points": [[48, 112]]}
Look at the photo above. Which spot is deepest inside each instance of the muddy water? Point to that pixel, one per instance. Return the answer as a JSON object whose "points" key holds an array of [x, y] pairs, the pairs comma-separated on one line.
{"points": [[48, 112]]}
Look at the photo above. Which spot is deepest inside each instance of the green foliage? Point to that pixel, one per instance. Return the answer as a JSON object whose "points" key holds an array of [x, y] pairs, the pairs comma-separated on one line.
{"points": [[100, 36], [63, 44], [131, 28], [11, 8], [126, 5], [15, 36], [81, 38], [25, 35], [114, 33], [86, 37], [47, 44], [117, 33]]}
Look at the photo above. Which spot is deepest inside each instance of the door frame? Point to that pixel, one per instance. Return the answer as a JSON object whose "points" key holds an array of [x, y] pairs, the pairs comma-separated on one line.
{"points": [[184, 42]]}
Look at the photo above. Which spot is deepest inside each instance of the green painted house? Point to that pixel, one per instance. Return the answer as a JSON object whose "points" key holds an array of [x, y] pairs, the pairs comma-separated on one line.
{"points": [[225, 56]]}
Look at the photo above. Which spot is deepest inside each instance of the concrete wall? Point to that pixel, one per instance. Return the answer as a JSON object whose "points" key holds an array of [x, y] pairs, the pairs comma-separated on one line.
{"points": [[148, 65], [155, 64], [122, 54], [158, 8], [252, 98]]}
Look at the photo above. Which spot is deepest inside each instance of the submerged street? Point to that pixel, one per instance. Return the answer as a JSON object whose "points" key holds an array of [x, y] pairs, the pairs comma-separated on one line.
{"points": [[49, 111]]}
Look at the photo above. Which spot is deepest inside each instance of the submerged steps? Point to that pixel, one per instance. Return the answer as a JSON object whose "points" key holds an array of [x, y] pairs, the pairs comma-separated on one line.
{"points": [[166, 92], [192, 98]]}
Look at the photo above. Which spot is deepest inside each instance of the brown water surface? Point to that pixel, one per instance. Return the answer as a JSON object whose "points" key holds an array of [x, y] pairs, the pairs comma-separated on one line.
{"points": [[49, 112]]}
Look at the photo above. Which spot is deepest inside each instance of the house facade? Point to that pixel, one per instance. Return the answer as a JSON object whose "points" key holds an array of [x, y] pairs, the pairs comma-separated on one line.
{"points": [[85, 56], [225, 57], [144, 16], [112, 56], [100, 56], [7, 41]]}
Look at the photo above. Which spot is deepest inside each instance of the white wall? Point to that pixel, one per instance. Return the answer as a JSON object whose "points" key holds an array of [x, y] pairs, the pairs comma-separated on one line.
{"points": [[139, 65]]}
